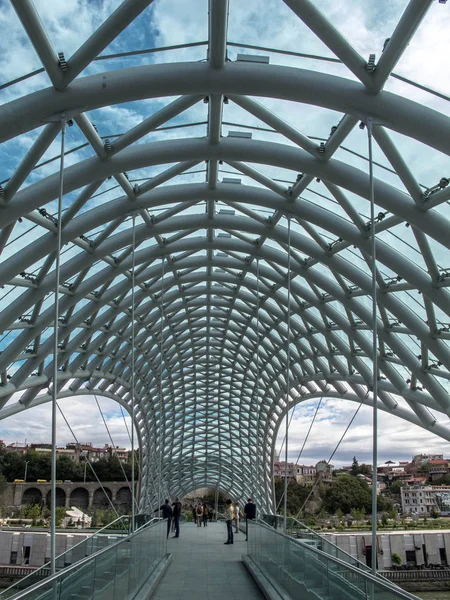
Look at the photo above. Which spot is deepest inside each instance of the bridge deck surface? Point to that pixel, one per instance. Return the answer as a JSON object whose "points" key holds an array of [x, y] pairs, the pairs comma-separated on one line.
{"points": [[202, 568]]}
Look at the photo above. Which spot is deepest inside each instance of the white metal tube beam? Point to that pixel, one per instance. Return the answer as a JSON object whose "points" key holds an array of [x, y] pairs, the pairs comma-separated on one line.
{"points": [[319, 89], [398, 42], [44, 140], [159, 118], [259, 177], [91, 135], [218, 25], [124, 14], [341, 174], [38, 36], [272, 120], [331, 37], [396, 160]]}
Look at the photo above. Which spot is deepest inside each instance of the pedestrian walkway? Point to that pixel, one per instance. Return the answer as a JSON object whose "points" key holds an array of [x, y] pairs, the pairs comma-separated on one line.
{"points": [[202, 568]]}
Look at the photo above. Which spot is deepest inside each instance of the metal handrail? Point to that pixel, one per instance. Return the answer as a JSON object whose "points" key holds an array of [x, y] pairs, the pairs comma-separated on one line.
{"points": [[47, 564], [77, 565], [366, 574]]}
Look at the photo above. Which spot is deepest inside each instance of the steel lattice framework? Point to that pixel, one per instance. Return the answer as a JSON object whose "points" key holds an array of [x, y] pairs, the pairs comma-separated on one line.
{"points": [[211, 251]]}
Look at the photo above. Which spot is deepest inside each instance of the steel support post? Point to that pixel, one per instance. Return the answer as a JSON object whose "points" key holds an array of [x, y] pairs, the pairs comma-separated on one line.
{"points": [[258, 449], [369, 124], [160, 425], [133, 376], [288, 379], [55, 352]]}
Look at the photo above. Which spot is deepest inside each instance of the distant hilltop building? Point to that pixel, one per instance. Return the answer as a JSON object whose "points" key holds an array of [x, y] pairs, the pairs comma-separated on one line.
{"points": [[423, 500], [75, 452], [304, 474]]}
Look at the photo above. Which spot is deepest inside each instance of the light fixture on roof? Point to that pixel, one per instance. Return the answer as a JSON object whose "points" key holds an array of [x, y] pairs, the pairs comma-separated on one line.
{"points": [[371, 66], [234, 180], [240, 134], [253, 58], [62, 62], [442, 184]]}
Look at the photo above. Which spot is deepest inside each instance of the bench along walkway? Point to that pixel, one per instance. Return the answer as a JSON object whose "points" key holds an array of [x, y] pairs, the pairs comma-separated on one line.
{"points": [[202, 568]]}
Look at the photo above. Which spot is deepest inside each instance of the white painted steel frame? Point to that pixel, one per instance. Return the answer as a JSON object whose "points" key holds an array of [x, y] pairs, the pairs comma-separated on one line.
{"points": [[200, 362]]}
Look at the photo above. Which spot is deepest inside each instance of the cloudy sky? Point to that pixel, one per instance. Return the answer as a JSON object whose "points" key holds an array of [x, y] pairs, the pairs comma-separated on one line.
{"points": [[366, 24]]}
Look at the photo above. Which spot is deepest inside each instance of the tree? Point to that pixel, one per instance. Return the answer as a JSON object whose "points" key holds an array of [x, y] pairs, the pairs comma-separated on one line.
{"points": [[365, 469], [395, 488], [348, 492], [296, 495], [396, 559], [355, 467]]}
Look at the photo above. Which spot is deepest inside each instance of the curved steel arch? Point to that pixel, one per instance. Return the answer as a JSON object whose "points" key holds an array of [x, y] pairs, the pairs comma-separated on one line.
{"points": [[224, 299]]}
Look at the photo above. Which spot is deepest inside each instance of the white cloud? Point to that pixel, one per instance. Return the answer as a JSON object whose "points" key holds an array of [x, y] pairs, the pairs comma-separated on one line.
{"points": [[83, 416], [397, 439]]}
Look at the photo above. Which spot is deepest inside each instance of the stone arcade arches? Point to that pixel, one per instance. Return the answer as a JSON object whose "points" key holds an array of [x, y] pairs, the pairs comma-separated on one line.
{"points": [[208, 255]]}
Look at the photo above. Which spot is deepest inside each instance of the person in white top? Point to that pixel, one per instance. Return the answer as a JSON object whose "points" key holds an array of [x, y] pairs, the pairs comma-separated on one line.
{"points": [[236, 517], [229, 516]]}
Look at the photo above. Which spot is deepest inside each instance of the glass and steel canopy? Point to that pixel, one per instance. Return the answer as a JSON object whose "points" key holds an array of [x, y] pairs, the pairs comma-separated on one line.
{"points": [[210, 146]]}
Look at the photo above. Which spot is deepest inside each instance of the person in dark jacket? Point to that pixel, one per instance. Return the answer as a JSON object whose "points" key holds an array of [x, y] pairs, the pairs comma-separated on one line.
{"points": [[176, 514], [250, 513], [166, 513]]}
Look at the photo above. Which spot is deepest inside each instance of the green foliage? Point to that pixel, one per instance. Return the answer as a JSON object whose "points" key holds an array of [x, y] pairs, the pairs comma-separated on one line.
{"points": [[358, 514], [395, 488], [435, 514], [444, 480], [384, 505], [358, 469], [355, 467], [60, 514], [396, 559], [12, 466], [296, 496], [348, 492]]}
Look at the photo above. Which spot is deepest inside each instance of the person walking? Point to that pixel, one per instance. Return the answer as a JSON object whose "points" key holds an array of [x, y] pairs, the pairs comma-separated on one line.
{"points": [[205, 515], [236, 517], [199, 514], [250, 514], [166, 513], [176, 514], [229, 517]]}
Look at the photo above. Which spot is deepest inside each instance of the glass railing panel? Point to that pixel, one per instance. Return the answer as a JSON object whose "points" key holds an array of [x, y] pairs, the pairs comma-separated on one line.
{"points": [[102, 538], [114, 573], [306, 571], [105, 566], [123, 570], [300, 531]]}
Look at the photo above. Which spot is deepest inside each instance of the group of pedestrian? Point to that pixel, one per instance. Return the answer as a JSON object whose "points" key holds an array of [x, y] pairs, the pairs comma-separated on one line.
{"points": [[172, 514], [232, 516], [201, 514]]}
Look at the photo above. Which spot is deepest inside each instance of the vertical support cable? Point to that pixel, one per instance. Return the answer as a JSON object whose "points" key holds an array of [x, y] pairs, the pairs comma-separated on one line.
{"points": [[258, 450], [133, 402], [288, 379], [369, 123], [55, 352], [160, 384]]}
